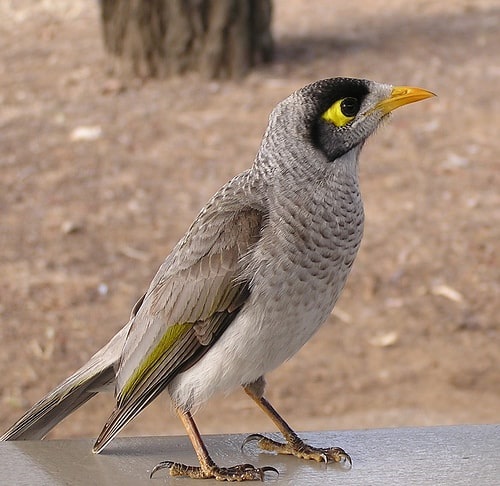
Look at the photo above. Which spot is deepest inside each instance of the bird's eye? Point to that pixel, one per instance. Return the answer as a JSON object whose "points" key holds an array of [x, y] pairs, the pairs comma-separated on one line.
{"points": [[349, 106], [342, 111]]}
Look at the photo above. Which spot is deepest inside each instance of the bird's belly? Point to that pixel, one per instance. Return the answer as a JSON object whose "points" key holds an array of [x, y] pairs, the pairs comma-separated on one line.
{"points": [[271, 328]]}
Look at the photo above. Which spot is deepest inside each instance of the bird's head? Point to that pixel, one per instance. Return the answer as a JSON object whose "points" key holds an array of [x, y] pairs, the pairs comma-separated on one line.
{"points": [[339, 114]]}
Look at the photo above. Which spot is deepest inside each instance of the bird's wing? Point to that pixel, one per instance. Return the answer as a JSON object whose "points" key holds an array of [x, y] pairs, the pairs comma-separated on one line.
{"points": [[195, 295]]}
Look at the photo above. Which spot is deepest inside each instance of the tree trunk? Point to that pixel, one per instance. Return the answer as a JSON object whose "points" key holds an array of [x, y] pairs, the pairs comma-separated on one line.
{"points": [[161, 38]]}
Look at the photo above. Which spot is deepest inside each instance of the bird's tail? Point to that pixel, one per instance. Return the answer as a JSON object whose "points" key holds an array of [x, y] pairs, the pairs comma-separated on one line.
{"points": [[91, 378]]}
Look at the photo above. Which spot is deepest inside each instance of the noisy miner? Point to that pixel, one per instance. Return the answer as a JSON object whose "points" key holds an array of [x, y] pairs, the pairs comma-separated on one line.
{"points": [[251, 281]]}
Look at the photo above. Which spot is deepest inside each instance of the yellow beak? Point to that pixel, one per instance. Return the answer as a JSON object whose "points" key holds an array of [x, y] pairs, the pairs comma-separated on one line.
{"points": [[402, 95]]}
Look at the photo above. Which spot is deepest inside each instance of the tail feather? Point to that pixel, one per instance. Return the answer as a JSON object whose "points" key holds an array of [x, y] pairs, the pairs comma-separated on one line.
{"points": [[57, 405], [120, 417], [72, 393]]}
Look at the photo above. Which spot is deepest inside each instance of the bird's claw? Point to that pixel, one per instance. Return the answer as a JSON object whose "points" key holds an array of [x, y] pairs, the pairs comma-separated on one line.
{"points": [[251, 438], [161, 465], [269, 469], [298, 448], [333, 454], [241, 472]]}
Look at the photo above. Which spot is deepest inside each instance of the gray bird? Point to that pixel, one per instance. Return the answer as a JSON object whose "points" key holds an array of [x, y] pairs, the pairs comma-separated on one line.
{"points": [[251, 281]]}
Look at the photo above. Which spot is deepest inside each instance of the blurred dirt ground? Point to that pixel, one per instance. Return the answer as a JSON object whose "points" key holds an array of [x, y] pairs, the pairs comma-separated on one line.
{"points": [[101, 177]]}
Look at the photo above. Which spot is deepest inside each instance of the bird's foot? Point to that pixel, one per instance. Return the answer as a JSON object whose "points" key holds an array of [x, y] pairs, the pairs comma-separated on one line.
{"points": [[241, 472], [298, 448]]}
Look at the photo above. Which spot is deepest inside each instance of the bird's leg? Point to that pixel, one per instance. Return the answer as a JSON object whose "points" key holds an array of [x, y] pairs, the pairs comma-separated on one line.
{"points": [[294, 445], [208, 468]]}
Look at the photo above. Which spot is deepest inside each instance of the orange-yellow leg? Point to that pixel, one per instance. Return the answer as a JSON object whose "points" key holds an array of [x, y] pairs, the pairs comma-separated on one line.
{"points": [[208, 468], [294, 445]]}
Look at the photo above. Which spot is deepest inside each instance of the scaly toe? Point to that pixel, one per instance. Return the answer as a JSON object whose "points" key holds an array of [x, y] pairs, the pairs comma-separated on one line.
{"points": [[266, 444], [178, 469], [241, 472], [331, 455], [298, 448], [336, 454]]}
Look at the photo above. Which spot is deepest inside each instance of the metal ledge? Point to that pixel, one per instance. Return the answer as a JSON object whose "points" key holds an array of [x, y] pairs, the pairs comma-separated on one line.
{"points": [[457, 455]]}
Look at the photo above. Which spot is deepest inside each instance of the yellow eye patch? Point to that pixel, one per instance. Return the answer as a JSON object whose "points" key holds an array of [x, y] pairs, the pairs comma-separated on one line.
{"points": [[342, 111]]}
